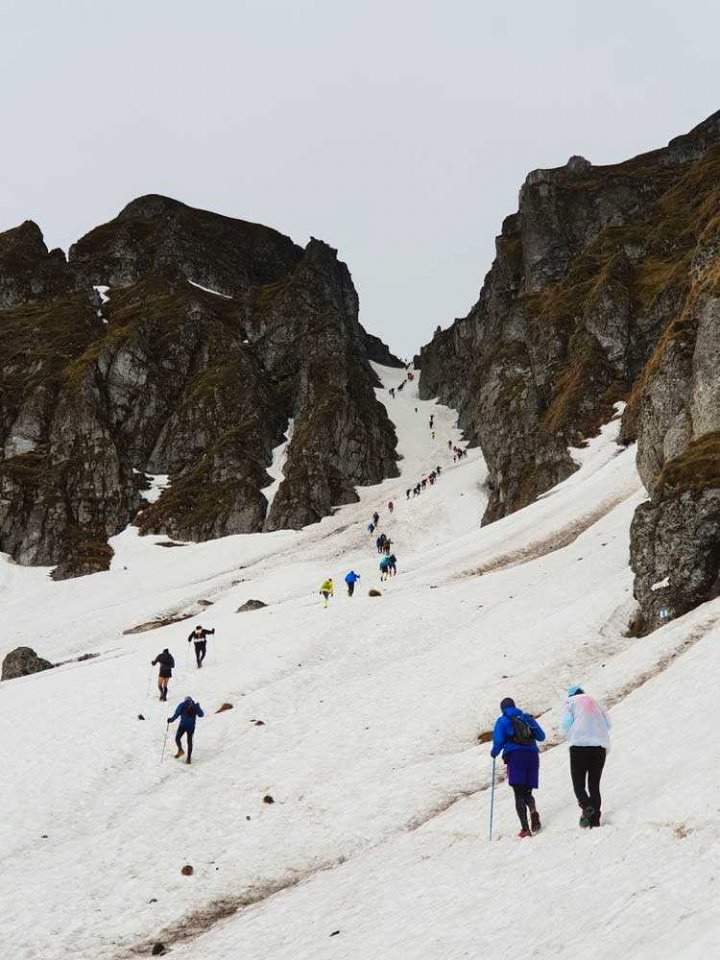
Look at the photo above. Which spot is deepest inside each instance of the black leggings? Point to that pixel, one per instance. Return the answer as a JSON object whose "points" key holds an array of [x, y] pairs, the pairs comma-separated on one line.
{"points": [[524, 801], [200, 650], [178, 739], [586, 764]]}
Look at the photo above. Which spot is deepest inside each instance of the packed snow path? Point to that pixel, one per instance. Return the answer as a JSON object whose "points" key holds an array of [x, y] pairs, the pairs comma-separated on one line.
{"points": [[371, 711]]}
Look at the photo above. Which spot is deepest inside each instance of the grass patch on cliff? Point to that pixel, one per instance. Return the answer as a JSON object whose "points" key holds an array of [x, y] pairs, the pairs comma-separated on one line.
{"points": [[698, 468]]}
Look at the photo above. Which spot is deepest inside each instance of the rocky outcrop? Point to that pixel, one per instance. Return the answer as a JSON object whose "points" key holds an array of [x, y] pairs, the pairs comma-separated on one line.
{"points": [[378, 352], [21, 662], [28, 271], [213, 334], [604, 288]]}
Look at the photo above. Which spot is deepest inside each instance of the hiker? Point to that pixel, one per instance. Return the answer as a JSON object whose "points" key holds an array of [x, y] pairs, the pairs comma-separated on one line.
{"points": [[199, 638], [392, 392], [380, 543], [392, 564], [371, 527], [586, 726], [166, 662], [515, 735], [407, 493], [351, 579], [327, 590], [391, 506], [449, 444], [384, 568], [188, 710], [386, 546]]}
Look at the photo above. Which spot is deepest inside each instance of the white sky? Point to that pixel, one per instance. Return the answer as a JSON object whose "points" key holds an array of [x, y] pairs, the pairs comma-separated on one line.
{"points": [[399, 131]]}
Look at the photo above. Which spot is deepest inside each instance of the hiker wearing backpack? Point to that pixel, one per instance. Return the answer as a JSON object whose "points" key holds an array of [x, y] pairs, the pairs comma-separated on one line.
{"points": [[515, 736], [351, 579], [187, 711], [199, 638], [166, 663], [586, 726]]}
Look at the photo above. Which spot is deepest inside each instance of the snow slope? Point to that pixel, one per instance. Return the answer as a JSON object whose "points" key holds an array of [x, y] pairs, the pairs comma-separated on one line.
{"points": [[371, 711]]}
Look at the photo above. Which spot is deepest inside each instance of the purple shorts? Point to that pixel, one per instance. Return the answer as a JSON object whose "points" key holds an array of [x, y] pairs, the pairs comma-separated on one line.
{"points": [[523, 768]]}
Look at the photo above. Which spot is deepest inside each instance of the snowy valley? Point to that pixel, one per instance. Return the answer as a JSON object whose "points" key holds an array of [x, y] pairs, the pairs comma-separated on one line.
{"points": [[375, 846]]}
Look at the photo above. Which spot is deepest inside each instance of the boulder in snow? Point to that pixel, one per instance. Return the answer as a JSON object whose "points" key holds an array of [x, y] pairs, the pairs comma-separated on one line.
{"points": [[21, 662], [251, 605]]}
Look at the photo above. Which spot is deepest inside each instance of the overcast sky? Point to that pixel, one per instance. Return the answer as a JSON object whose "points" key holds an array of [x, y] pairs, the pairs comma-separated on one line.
{"points": [[397, 130]]}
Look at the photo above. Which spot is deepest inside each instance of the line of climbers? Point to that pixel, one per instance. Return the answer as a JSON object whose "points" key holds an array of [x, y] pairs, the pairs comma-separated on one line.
{"points": [[188, 709]]}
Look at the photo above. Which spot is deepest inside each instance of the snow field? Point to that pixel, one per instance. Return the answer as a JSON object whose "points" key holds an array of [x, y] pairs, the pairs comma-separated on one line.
{"points": [[371, 711]]}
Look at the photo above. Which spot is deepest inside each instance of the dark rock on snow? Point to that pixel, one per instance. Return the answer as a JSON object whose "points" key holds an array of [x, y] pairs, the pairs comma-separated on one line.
{"points": [[251, 605], [21, 662], [168, 378], [605, 287]]}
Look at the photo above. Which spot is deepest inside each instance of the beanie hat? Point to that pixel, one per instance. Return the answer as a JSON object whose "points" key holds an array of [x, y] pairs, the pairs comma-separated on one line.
{"points": [[507, 702], [575, 689]]}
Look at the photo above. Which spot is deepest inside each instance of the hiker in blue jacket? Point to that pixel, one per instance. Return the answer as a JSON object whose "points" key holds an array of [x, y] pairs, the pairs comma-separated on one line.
{"points": [[515, 736], [188, 710], [351, 579]]}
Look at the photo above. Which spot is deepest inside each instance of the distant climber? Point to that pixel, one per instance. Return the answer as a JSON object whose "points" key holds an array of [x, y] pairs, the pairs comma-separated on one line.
{"points": [[327, 590], [351, 579], [516, 735], [188, 710], [199, 638], [166, 663], [391, 506], [380, 543], [392, 564], [384, 568], [376, 518], [586, 726], [371, 527], [407, 493], [391, 391]]}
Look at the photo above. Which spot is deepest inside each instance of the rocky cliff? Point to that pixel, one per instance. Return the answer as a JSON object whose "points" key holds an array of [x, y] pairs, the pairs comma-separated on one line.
{"points": [[605, 288], [176, 341]]}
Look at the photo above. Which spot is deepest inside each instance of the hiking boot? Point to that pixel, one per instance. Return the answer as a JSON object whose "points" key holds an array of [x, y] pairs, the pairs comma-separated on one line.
{"points": [[588, 814], [524, 833], [180, 753], [535, 821], [188, 760]]}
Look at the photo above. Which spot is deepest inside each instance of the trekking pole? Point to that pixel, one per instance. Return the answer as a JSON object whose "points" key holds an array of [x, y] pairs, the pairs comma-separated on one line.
{"points": [[492, 800], [150, 676], [162, 755]]}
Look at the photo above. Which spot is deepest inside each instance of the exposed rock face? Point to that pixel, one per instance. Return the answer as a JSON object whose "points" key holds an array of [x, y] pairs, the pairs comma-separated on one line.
{"points": [[165, 377], [604, 288], [21, 662], [378, 352], [27, 270]]}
